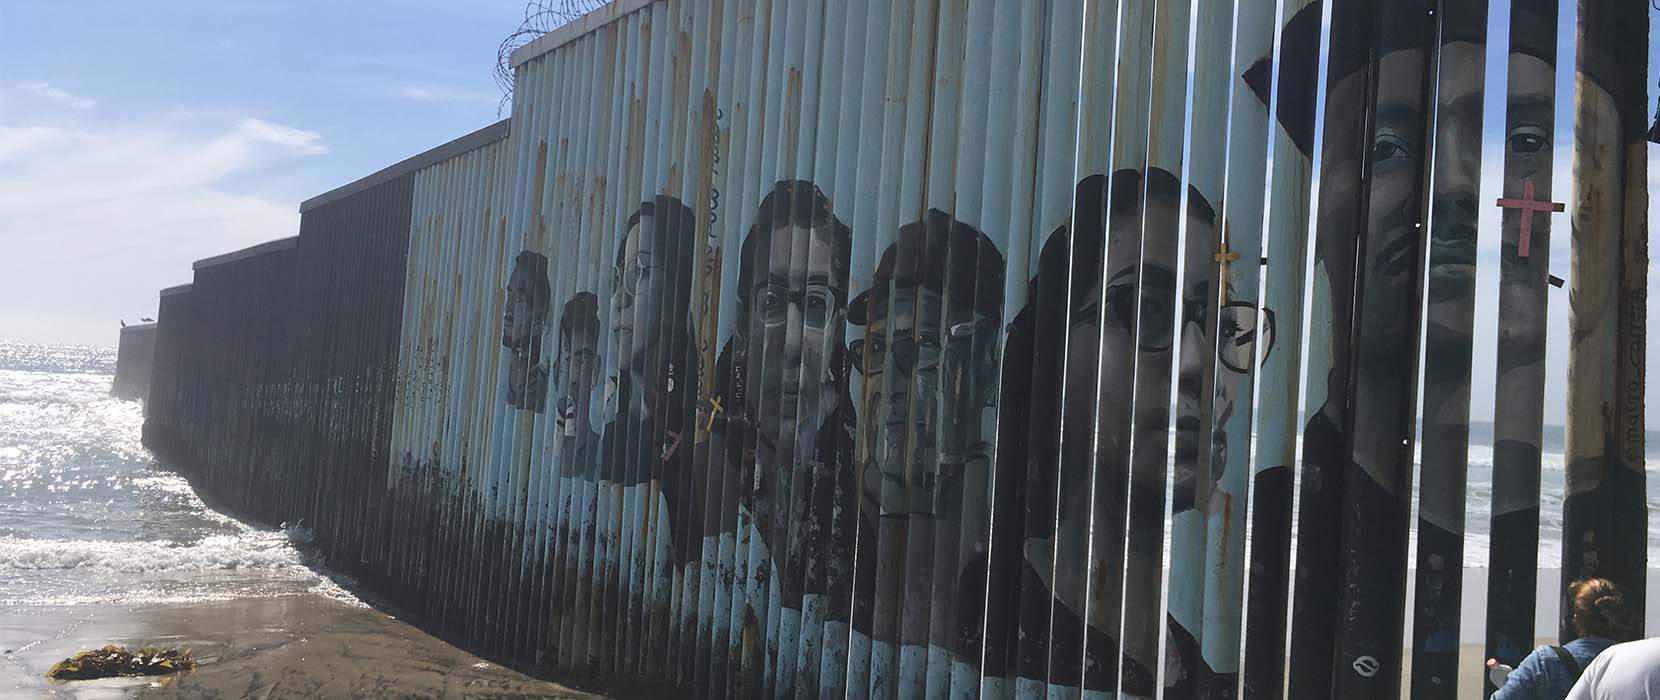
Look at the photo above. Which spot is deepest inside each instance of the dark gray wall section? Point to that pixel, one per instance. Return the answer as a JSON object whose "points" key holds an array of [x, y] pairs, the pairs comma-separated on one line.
{"points": [[133, 361], [274, 372]]}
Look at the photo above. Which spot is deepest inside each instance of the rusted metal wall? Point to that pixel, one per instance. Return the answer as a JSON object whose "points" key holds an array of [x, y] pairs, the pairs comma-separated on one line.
{"points": [[952, 348], [276, 368], [445, 427], [134, 361]]}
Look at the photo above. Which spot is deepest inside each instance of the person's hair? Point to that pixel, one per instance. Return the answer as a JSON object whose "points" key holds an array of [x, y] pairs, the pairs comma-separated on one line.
{"points": [[1093, 205], [792, 203], [532, 267], [674, 226], [1598, 609], [580, 315]]}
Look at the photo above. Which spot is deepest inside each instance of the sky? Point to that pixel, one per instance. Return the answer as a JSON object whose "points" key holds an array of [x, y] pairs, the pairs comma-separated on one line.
{"points": [[136, 138]]}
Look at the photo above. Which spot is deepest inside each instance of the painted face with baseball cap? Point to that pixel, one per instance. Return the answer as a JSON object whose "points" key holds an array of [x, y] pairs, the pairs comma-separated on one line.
{"points": [[928, 357]]}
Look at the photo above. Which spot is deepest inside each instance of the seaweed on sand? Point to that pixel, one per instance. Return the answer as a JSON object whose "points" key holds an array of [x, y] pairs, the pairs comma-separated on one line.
{"points": [[112, 661]]}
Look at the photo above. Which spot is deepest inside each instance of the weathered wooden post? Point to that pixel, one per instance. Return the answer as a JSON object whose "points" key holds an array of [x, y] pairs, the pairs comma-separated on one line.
{"points": [[1605, 528]]}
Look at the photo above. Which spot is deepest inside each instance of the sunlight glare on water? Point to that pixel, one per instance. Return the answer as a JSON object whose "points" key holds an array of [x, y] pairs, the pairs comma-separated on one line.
{"points": [[86, 515]]}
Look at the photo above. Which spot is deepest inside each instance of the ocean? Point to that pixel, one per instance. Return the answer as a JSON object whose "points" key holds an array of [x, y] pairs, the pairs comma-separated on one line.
{"points": [[87, 517], [1479, 496]]}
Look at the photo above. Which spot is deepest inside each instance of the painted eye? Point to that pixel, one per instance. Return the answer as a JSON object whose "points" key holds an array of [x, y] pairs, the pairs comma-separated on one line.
{"points": [[1121, 299], [1389, 147], [1527, 140]]}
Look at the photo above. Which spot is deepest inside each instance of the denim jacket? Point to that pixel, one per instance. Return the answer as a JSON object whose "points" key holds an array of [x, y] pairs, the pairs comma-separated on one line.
{"points": [[1543, 676]]}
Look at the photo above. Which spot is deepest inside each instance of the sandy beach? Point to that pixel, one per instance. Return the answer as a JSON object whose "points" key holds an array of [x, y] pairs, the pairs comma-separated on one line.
{"points": [[298, 646]]}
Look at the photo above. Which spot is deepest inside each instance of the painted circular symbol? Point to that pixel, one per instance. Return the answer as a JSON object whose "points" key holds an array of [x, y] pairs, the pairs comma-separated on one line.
{"points": [[1367, 666]]}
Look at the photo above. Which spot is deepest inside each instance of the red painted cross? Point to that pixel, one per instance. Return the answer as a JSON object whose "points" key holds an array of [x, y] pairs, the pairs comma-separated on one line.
{"points": [[672, 445], [1528, 205]]}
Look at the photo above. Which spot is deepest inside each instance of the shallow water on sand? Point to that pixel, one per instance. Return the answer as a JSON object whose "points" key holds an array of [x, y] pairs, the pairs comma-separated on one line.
{"points": [[87, 517], [100, 545]]}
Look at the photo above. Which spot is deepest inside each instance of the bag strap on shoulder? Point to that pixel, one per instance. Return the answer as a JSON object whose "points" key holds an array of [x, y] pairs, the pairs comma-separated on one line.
{"points": [[1568, 660]]}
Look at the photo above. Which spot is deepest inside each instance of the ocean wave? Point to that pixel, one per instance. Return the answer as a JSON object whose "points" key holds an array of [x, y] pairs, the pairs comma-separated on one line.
{"points": [[257, 551]]}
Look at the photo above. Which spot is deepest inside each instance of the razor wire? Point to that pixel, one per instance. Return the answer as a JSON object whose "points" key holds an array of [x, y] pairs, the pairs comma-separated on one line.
{"points": [[540, 17]]}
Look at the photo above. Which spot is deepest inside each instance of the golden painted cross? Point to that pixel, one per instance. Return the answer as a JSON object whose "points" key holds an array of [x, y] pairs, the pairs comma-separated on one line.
{"points": [[1226, 258], [714, 403], [1527, 206]]}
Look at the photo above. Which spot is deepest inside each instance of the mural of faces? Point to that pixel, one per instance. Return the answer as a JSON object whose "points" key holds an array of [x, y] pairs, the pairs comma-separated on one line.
{"points": [[524, 323], [653, 259], [578, 365], [1107, 335], [797, 313], [925, 322], [636, 294]]}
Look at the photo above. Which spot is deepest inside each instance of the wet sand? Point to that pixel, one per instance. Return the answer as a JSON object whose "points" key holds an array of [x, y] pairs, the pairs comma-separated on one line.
{"points": [[301, 646]]}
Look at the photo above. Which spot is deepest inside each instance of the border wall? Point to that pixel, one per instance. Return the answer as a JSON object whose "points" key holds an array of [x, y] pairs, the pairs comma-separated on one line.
{"points": [[276, 366], [135, 359], [795, 348]]}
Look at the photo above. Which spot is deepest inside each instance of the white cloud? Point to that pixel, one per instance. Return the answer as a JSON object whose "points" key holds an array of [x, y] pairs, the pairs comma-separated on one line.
{"points": [[93, 222], [256, 130], [56, 95], [425, 92]]}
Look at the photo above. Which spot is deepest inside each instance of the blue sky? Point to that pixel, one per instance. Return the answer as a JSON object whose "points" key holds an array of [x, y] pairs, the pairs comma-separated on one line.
{"points": [[136, 137]]}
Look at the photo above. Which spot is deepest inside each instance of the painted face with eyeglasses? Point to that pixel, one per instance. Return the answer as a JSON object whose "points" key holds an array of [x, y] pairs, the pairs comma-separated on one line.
{"points": [[578, 374], [796, 307], [1172, 329], [637, 298], [926, 419]]}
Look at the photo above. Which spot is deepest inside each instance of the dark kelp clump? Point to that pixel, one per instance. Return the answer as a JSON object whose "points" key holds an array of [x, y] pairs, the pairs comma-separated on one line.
{"points": [[112, 661]]}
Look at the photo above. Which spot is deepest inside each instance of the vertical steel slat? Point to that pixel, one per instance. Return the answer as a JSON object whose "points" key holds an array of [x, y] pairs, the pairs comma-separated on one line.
{"points": [[1603, 532], [556, 523], [580, 539], [1192, 460], [723, 599], [1285, 78], [714, 134], [957, 108], [858, 152], [1519, 383], [617, 196], [1240, 220], [1377, 485], [904, 175], [1037, 201], [754, 22]]}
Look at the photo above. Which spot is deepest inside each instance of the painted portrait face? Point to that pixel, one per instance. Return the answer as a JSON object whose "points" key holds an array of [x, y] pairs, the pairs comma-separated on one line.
{"points": [[1386, 273], [1453, 236], [526, 310], [927, 430], [1528, 150], [579, 372], [798, 311], [524, 320], [637, 297], [1165, 314]]}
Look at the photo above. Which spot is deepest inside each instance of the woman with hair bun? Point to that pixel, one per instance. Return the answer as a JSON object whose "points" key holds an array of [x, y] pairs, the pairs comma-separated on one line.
{"points": [[1601, 617]]}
